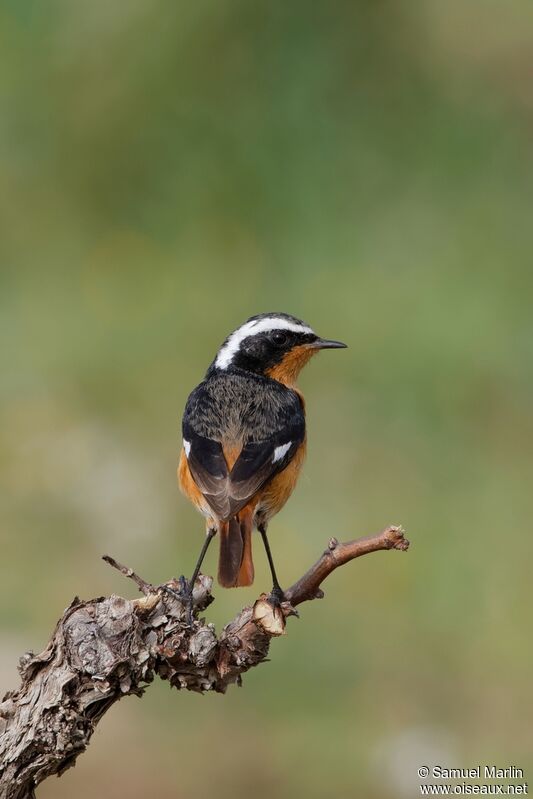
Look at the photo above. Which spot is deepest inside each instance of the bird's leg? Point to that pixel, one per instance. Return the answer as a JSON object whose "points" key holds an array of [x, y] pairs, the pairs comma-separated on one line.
{"points": [[187, 586], [210, 534], [277, 596], [269, 612]]}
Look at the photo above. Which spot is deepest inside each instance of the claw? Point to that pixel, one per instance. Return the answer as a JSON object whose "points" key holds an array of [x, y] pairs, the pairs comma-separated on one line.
{"points": [[277, 597], [184, 596], [289, 610], [186, 590], [172, 591], [271, 611], [277, 600], [268, 615]]}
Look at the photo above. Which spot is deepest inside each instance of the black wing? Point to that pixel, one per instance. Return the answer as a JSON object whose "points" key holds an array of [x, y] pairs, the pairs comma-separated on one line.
{"points": [[228, 491], [209, 470], [261, 460]]}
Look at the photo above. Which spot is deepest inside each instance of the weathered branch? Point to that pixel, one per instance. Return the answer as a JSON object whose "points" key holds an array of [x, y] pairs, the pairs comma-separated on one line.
{"points": [[110, 647]]}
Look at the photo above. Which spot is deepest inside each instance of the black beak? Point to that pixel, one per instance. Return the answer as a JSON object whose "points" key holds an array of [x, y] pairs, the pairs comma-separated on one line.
{"points": [[328, 344]]}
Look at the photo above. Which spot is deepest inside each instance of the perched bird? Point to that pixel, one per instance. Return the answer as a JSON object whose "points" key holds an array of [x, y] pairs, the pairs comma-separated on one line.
{"points": [[244, 438]]}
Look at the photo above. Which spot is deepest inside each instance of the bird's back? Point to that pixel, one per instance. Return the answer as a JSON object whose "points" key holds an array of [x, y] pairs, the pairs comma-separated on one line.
{"points": [[237, 406]]}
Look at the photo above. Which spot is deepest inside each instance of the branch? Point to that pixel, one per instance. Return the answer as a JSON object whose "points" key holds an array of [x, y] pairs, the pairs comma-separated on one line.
{"points": [[110, 647], [308, 586]]}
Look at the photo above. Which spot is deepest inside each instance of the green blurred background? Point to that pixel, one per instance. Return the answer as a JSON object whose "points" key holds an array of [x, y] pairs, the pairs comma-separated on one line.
{"points": [[169, 169]]}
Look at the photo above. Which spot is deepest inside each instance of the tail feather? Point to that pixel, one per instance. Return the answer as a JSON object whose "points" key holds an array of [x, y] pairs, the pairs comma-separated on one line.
{"points": [[235, 565]]}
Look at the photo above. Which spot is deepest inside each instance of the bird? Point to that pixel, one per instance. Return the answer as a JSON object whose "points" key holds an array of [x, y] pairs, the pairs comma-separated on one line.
{"points": [[244, 439]]}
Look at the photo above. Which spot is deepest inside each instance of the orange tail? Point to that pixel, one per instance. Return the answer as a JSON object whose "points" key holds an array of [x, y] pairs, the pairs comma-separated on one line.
{"points": [[235, 564]]}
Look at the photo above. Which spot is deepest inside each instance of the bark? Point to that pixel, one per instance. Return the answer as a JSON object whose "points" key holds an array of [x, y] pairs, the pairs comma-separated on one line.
{"points": [[107, 648]]}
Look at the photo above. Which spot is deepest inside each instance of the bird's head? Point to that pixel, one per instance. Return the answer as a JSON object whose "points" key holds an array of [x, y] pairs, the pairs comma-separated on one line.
{"points": [[276, 345]]}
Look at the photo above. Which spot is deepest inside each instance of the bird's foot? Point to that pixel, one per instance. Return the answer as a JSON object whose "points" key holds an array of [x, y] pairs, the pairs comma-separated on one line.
{"points": [[278, 599], [186, 589], [271, 610], [276, 596], [184, 596]]}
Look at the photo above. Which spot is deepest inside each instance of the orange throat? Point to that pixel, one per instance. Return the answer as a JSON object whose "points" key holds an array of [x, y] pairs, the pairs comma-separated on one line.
{"points": [[289, 368]]}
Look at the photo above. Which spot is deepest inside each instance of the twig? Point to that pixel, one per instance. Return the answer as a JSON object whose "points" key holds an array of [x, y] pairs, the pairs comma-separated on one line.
{"points": [[107, 648], [308, 586], [146, 588]]}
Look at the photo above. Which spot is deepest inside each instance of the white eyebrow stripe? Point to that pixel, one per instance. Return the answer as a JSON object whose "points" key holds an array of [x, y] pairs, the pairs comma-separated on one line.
{"points": [[230, 349], [281, 451], [186, 447]]}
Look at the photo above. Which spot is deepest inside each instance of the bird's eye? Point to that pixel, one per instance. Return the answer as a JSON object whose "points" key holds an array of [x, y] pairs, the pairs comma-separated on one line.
{"points": [[278, 337]]}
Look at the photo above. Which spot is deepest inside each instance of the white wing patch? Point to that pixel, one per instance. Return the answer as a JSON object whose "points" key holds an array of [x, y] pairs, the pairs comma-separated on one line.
{"points": [[186, 447], [231, 348], [280, 452]]}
